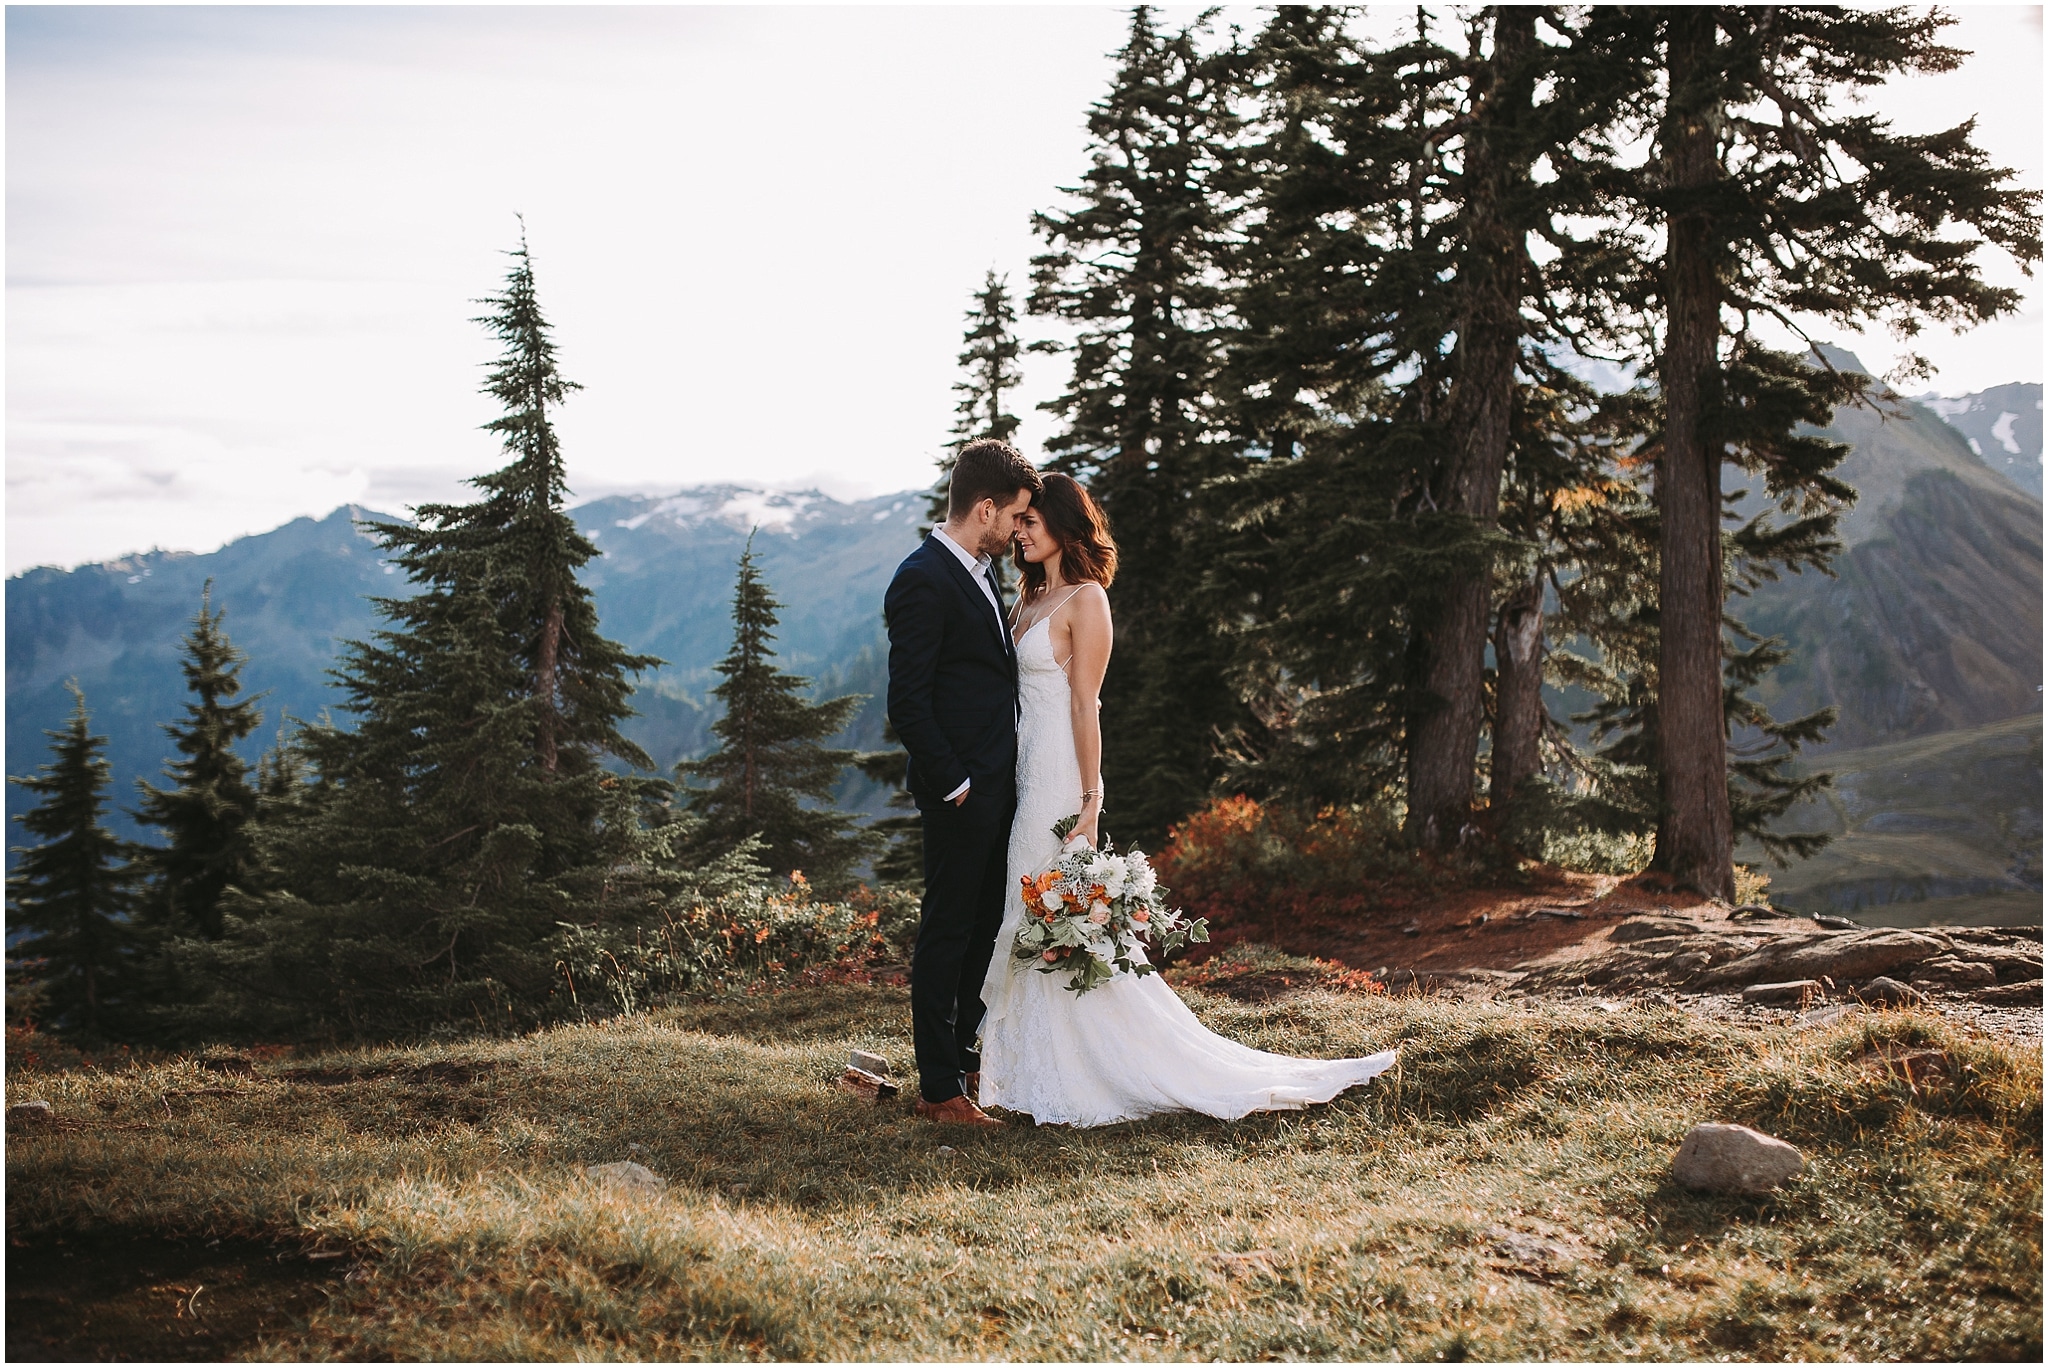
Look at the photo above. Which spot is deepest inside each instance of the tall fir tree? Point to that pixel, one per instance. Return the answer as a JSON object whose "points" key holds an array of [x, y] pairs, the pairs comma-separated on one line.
{"points": [[771, 757], [520, 545], [70, 896], [990, 368], [419, 875], [1769, 194], [1391, 356], [1132, 264], [205, 814]]}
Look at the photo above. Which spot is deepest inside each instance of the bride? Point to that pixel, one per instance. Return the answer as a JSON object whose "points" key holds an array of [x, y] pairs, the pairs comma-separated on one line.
{"points": [[1129, 1047]]}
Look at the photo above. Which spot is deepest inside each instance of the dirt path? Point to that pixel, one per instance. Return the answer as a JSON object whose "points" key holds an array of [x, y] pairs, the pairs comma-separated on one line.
{"points": [[1560, 916]]}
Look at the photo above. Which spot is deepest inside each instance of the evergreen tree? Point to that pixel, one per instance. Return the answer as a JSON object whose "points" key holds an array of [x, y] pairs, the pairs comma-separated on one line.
{"points": [[991, 368], [205, 814], [69, 897], [902, 859], [770, 758], [519, 545], [1777, 199], [1134, 265], [1394, 333], [421, 873]]}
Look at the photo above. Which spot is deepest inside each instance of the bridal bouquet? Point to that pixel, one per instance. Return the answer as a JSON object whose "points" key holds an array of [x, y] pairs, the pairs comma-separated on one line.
{"points": [[1086, 912]]}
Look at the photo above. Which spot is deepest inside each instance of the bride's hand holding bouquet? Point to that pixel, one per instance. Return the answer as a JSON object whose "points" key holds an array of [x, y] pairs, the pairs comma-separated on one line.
{"points": [[1088, 910]]}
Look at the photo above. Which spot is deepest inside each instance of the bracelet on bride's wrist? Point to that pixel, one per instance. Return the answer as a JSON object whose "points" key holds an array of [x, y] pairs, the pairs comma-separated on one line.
{"points": [[1086, 794]]}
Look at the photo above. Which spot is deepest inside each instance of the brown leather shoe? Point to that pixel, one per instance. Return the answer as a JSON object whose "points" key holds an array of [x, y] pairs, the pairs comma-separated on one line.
{"points": [[956, 1111], [972, 1084]]}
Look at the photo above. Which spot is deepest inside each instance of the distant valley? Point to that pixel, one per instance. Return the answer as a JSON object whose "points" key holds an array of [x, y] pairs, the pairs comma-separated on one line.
{"points": [[663, 585]]}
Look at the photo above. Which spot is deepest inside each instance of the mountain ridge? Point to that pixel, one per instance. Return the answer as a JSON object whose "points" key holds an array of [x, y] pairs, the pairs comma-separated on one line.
{"points": [[1931, 622]]}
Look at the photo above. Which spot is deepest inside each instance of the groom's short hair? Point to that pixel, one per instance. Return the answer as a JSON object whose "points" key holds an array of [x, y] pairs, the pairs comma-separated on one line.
{"points": [[989, 469]]}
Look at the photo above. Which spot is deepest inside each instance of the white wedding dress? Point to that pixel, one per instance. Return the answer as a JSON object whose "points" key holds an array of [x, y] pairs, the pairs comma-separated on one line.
{"points": [[1129, 1047]]}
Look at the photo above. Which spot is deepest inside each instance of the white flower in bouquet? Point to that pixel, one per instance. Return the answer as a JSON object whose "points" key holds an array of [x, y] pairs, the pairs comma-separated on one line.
{"points": [[1094, 914]]}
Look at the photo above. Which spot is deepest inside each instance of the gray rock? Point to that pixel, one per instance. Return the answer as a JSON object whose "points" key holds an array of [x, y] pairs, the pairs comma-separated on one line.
{"points": [[1724, 1158], [635, 1180], [1795, 993], [35, 1112], [1688, 962], [1951, 972], [1527, 1251], [1837, 955], [868, 1063], [1828, 1016], [2010, 995], [1890, 993]]}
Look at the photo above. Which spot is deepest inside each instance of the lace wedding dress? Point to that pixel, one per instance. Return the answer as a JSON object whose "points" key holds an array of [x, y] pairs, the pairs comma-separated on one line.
{"points": [[1129, 1047]]}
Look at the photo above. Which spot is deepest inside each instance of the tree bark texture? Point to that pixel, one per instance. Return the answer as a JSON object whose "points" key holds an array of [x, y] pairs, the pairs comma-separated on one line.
{"points": [[550, 651], [1517, 693], [1694, 829], [1443, 737]]}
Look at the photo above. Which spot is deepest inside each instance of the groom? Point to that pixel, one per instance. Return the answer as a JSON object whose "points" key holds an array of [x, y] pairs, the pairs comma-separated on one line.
{"points": [[953, 702]]}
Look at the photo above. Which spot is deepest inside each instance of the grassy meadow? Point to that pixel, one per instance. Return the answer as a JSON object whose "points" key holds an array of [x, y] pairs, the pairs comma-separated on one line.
{"points": [[1921, 825], [1505, 1194]]}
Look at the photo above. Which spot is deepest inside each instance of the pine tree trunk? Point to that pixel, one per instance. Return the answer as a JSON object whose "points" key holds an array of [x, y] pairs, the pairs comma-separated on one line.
{"points": [[1518, 692], [1694, 828], [550, 648], [1443, 740]]}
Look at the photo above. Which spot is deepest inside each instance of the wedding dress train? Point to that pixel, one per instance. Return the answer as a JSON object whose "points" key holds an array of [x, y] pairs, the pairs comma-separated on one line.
{"points": [[1129, 1047]]}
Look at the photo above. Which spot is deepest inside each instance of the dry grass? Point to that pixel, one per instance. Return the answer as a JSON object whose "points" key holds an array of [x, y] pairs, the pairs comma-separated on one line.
{"points": [[801, 1222]]}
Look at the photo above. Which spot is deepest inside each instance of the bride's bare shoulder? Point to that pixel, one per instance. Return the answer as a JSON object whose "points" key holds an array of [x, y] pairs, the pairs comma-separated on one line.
{"points": [[1089, 607]]}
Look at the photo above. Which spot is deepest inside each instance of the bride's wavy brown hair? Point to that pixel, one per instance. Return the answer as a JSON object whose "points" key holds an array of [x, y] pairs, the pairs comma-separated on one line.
{"points": [[1075, 521]]}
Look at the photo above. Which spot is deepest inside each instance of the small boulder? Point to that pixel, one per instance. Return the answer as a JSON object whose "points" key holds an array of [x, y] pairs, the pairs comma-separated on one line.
{"points": [[1951, 972], [1793, 993], [1724, 1158], [1525, 1250], [1888, 992], [1861, 954], [1687, 962], [868, 1063], [1838, 955], [635, 1180], [32, 1113], [2010, 995]]}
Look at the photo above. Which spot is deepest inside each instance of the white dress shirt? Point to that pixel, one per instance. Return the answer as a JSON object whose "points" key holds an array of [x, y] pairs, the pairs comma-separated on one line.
{"points": [[977, 566]]}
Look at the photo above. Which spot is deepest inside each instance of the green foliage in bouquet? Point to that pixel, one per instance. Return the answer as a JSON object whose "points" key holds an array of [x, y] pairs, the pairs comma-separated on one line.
{"points": [[1089, 909]]}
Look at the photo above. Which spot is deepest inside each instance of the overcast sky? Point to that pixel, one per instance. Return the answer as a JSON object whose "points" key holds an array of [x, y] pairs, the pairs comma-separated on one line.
{"points": [[242, 244]]}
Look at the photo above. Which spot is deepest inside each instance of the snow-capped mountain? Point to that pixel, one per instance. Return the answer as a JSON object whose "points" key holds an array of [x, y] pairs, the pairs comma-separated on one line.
{"points": [[2002, 425]]}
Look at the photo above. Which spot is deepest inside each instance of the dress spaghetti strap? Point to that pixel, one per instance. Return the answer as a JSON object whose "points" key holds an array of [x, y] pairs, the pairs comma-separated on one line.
{"points": [[1061, 604]]}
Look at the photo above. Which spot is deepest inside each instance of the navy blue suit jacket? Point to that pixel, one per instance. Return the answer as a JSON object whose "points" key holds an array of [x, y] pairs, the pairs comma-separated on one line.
{"points": [[952, 679]]}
